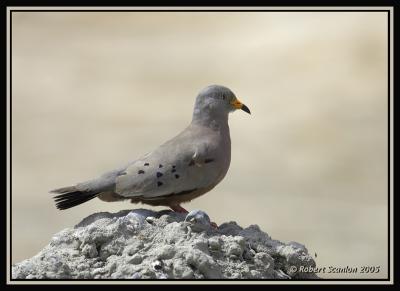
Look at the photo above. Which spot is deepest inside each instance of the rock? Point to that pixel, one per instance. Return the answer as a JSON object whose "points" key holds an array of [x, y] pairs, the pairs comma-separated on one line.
{"points": [[144, 244], [198, 220]]}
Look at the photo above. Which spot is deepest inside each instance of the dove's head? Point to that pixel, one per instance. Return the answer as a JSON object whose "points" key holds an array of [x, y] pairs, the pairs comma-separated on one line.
{"points": [[216, 102]]}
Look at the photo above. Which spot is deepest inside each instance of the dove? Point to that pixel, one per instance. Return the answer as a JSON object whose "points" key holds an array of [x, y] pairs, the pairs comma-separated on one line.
{"points": [[180, 170]]}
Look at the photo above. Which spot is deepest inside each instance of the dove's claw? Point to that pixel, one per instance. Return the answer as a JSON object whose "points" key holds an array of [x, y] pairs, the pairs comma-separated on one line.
{"points": [[178, 208], [214, 225]]}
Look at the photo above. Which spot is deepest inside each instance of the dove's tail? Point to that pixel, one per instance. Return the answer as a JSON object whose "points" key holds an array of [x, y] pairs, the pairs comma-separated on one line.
{"points": [[70, 196]]}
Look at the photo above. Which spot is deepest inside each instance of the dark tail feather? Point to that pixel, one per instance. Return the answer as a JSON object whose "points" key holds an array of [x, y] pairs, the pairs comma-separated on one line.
{"points": [[70, 196]]}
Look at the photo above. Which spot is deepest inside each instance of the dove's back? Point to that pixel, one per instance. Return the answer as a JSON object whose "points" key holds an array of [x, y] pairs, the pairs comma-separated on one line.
{"points": [[197, 159], [187, 166]]}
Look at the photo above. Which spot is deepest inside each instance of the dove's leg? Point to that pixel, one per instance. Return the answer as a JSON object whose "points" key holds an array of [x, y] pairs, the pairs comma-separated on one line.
{"points": [[178, 208]]}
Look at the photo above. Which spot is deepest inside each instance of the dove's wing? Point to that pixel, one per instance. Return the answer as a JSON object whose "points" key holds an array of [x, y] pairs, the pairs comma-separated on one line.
{"points": [[186, 163]]}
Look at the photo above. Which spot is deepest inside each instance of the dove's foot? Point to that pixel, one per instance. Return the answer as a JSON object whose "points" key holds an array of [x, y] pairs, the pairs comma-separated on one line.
{"points": [[214, 225], [179, 209]]}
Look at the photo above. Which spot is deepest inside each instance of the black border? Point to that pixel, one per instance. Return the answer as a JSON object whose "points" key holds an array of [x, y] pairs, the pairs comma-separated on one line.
{"points": [[201, 10], [347, 3]]}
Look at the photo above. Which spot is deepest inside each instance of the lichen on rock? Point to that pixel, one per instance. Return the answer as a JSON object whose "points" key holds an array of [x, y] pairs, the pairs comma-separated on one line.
{"points": [[144, 244]]}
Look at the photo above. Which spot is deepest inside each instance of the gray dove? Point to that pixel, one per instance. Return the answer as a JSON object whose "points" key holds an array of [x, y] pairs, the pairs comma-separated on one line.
{"points": [[183, 168]]}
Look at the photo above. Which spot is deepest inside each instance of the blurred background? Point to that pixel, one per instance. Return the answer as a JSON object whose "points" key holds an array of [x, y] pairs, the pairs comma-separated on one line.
{"points": [[91, 91]]}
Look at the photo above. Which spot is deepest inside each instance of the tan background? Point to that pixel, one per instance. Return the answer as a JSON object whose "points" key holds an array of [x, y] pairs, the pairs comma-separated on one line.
{"points": [[91, 91]]}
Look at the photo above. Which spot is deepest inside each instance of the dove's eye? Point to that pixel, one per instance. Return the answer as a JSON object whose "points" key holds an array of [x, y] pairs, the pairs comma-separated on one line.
{"points": [[223, 97]]}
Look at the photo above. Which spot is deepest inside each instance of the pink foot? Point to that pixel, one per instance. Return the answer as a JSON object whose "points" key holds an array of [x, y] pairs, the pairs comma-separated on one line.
{"points": [[178, 208]]}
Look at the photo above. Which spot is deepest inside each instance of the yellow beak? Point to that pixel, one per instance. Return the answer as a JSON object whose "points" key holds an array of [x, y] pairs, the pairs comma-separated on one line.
{"points": [[239, 105]]}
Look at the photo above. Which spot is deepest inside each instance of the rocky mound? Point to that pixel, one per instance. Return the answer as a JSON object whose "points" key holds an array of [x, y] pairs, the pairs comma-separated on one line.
{"points": [[143, 244]]}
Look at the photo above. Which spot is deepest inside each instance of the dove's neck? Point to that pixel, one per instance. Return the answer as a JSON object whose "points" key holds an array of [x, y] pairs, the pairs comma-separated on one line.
{"points": [[208, 119]]}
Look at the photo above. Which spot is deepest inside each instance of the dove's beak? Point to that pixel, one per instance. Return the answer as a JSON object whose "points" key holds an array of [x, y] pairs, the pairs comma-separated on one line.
{"points": [[239, 105]]}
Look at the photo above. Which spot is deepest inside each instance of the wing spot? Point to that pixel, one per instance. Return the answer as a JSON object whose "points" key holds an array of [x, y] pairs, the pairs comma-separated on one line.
{"points": [[173, 171], [159, 174], [160, 166], [176, 176], [140, 172], [159, 184], [146, 164], [206, 161]]}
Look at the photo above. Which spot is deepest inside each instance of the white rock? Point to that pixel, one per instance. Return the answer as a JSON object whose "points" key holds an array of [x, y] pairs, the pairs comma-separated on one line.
{"points": [[129, 245]]}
